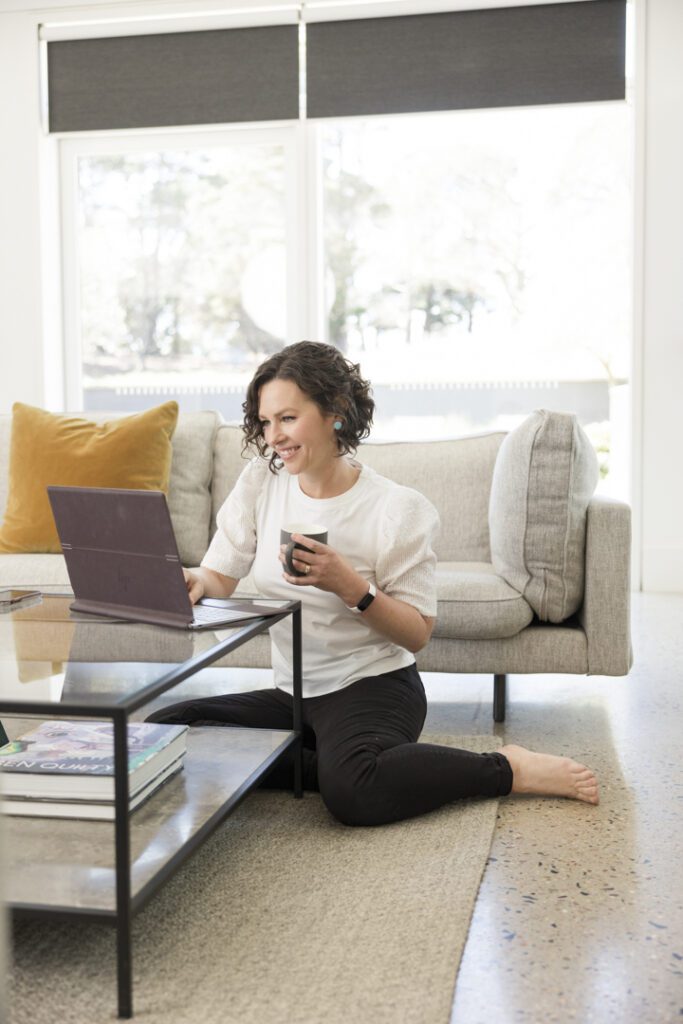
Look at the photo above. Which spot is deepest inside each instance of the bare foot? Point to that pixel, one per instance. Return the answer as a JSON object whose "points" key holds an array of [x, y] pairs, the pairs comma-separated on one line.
{"points": [[549, 775]]}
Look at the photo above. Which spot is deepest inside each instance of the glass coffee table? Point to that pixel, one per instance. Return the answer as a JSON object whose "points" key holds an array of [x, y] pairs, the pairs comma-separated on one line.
{"points": [[57, 664]]}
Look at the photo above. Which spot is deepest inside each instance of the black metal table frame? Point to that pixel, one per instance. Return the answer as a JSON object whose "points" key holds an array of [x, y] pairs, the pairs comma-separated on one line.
{"points": [[126, 905]]}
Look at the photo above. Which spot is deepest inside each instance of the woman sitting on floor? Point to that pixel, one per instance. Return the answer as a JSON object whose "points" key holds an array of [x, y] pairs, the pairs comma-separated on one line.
{"points": [[368, 605]]}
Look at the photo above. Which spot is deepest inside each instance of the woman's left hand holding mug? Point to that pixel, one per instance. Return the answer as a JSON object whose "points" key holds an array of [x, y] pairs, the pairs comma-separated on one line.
{"points": [[324, 568]]}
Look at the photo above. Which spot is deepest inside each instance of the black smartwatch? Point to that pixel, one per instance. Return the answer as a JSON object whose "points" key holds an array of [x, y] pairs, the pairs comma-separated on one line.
{"points": [[366, 601]]}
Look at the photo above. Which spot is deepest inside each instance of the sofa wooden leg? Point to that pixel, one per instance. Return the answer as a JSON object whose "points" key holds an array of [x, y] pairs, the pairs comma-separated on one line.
{"points": [[499, 688]]}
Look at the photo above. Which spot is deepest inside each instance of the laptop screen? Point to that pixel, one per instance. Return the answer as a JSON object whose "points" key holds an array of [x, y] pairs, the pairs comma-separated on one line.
{"points": [[120, 548]]}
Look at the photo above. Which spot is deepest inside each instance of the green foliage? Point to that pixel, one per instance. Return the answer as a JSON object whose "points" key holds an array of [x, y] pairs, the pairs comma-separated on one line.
{"points": [[420, 236], [166, 239]]}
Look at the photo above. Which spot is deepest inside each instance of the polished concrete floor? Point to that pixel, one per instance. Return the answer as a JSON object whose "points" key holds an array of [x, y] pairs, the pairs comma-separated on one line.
{"points": [[580, 912]]}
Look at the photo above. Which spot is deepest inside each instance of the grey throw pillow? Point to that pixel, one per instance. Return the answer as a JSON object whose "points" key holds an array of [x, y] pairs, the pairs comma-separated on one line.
{"points": [[543, 479]]}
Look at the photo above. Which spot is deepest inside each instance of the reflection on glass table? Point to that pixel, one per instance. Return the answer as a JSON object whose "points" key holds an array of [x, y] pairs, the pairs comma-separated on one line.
{"points": [[57, 664], [49, 653]]}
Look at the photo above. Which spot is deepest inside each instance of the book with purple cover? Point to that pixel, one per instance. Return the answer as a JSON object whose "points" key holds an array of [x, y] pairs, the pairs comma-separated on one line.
{"points": [[74, 760]]}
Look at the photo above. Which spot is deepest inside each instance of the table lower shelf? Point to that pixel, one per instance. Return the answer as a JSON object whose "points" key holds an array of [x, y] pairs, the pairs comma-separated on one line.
{"points": [[64, 865]]}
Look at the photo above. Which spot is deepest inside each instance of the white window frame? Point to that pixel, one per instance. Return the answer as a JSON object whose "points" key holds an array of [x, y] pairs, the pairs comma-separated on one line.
{"points": [[305, 316]]}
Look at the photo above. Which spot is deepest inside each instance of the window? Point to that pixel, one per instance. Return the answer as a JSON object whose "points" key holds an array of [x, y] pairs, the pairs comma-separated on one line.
{"points": [[478, 267], [476, 264], [179, 261]]}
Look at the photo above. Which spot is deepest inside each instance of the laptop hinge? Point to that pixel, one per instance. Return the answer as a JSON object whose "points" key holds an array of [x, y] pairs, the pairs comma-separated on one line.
{"points": [[130, 613]]}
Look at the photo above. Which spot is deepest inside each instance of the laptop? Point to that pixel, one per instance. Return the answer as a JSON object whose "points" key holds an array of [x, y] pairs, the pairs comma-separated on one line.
{"points": [[123, 562]]}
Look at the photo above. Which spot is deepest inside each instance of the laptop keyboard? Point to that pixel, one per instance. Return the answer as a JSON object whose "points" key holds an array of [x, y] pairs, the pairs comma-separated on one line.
{"points": [[204, 614]]}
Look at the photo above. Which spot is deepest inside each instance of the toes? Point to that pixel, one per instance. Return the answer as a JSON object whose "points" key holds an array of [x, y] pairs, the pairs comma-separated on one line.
{"points": [[585, 784], [588, 791]]}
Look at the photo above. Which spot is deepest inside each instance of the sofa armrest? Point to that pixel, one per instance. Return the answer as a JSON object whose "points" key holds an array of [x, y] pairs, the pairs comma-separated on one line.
{"points": [[606, 611]]}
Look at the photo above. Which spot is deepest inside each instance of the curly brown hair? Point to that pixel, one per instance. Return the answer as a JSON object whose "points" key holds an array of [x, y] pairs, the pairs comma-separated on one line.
{"points": [[327, 377]]}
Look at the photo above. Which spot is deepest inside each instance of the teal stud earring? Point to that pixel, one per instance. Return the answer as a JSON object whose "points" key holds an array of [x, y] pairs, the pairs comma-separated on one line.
{"points": [[337, 424]]}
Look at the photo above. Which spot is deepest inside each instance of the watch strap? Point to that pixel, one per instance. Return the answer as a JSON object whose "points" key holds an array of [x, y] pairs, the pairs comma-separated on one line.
{"points": [[365, 601]]}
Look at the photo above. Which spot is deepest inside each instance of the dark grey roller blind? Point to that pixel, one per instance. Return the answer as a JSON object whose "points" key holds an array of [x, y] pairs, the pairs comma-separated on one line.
{"points": [[509, 56], [209, 77]]}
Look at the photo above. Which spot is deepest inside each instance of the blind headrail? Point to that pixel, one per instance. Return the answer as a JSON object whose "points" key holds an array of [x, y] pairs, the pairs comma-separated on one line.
{"points": [[195, 21]]}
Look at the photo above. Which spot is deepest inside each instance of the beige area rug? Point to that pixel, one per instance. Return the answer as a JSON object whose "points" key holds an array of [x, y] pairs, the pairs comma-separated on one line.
{"points": [[284, 916]]}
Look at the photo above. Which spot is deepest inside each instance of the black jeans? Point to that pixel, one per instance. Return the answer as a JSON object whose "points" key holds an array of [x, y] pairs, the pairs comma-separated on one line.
{"points": [[360, 749]]}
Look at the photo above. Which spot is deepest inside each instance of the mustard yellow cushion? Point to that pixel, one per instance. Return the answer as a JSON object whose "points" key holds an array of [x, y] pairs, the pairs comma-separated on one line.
{"points": [[132, 452]]}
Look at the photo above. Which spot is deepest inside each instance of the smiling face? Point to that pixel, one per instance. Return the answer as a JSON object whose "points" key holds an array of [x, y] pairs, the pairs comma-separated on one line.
{"points": [[296, 429]]}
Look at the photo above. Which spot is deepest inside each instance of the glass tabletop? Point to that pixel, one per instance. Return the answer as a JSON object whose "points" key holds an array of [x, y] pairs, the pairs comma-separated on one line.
{"points": [[49, 654]]}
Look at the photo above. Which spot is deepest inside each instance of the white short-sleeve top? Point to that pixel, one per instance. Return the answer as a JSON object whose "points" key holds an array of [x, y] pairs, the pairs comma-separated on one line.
{"points": [[385, 530]]}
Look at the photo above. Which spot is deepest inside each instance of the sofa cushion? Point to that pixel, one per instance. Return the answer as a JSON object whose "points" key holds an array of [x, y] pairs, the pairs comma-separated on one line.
{"points": [[474, 603], [189, 489], [47, 449], [33, 571], [456, 477], [545, 474], [228, 463]]}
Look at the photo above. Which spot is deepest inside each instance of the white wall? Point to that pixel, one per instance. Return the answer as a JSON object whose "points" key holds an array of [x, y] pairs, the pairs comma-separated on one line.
{"points": [[30, 311], [21, 344], [662, 300]]}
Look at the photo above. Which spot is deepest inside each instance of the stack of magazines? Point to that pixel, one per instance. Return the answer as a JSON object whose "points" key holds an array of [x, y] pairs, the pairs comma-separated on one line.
{"points": [[66, 769]]}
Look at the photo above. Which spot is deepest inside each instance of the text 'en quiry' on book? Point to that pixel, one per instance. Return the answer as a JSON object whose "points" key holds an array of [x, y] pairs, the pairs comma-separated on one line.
{"points": [[74, 760]]}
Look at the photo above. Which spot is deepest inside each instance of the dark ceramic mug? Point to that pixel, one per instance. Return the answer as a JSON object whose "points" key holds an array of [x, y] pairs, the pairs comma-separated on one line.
{"points": [[313, 530]]}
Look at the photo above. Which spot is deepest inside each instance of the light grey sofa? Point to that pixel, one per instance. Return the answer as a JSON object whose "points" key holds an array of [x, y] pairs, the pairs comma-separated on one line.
{"points": [[484, 624]]}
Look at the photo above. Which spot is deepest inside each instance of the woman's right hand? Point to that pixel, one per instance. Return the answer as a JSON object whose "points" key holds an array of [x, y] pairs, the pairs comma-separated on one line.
{"points": [[195, 585]]}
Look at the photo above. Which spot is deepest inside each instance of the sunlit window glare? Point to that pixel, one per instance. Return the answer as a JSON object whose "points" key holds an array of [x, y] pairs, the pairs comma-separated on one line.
{"points": [[476, 264]]}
